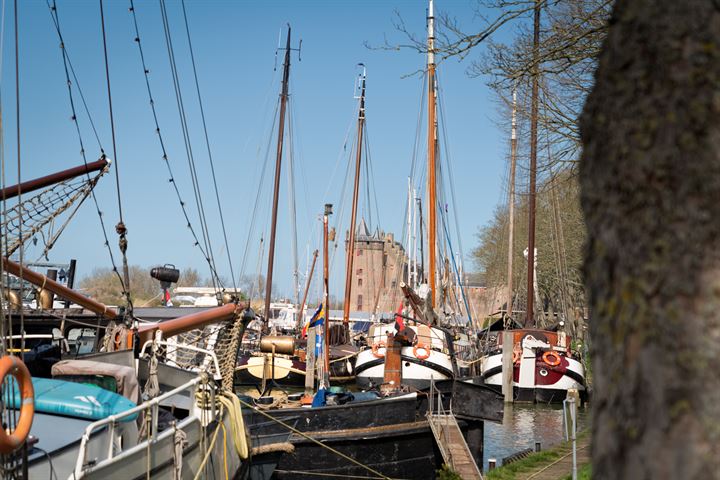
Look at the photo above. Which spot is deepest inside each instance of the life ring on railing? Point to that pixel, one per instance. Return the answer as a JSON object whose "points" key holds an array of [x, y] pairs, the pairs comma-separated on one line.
{"points": [[555, 358], [516, 356], [376, 347], [10, 442], [423, 347]]}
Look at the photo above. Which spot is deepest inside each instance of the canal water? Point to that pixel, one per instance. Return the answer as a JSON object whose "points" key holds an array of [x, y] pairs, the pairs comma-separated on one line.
{"points": [[525, 424]]}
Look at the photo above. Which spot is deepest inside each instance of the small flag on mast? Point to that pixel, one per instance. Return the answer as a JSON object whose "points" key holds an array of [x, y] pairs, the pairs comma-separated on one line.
{"points": [[317, 319]]}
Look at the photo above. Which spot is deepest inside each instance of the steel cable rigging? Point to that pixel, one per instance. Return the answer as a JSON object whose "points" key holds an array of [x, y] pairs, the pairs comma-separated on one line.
{"points": [[207, 143], [188, 146], [70, 70], [163, 148], [120, 228]]}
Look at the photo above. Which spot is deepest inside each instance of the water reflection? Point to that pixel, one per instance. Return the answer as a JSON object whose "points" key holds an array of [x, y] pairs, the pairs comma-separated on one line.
{"points": [[522, 426]]}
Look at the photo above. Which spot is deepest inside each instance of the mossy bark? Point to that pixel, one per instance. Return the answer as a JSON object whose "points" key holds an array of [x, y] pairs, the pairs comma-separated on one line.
{"points": [[650, 177]]}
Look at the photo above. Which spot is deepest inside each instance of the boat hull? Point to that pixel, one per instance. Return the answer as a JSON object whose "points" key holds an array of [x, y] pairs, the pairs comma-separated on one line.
{"points": [[133, 462], [287, 372], [416, 372], [385, 434], [551, 382], [405, 450]]}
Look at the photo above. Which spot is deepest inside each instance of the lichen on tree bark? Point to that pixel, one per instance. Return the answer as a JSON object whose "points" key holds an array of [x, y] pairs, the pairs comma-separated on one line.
{"points": [[650, 177]]}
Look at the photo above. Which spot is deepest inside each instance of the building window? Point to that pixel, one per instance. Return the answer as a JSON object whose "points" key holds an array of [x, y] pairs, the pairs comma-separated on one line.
{"points": [[359, 282], [359, 302], [393, 284], [359, 253], [358, 271]]}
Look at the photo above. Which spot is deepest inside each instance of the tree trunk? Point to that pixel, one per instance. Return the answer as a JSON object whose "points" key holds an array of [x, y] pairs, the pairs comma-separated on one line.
{"points": [[650, 176]]}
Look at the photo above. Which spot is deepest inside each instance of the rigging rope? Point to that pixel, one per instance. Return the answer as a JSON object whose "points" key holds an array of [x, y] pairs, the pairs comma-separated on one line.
{"points": [[3, 277], [19, 176], [258, 195], [207, 143], [120, 228], [69, 66], [188, 146], [292, 207], [165, 157], [68, 69], [315, 441]]}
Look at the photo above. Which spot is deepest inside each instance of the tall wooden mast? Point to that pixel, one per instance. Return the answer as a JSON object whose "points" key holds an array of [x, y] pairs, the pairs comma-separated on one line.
{"points": [[511, 209], [278, 166], [530, 317], [432, 148], [326, 292], [353, 215]]}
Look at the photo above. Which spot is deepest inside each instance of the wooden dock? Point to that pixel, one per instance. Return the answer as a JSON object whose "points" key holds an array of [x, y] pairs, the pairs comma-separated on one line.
{"points": [[453, 447]]}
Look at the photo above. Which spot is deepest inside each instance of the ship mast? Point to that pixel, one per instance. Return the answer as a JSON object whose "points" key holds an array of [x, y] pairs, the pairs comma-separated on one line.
{"points": [[530, 318], [511, 210], [353, 215], [278, 165], [326, 296], [432, 146]]}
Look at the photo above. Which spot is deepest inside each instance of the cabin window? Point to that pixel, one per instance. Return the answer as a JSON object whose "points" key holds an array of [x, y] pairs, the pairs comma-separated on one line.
{"points": [[359, 302]]}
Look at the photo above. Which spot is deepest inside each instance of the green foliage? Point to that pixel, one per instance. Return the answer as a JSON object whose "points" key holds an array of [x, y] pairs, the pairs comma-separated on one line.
{"points": [[447, 473]]}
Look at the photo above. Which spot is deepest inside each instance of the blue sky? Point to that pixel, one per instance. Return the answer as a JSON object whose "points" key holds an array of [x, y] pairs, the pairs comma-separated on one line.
{"points": [[234, 45]]}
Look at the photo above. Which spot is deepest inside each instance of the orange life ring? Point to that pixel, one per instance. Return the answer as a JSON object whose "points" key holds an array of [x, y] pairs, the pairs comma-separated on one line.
{"points": [[555, 358], [376, 347], [10, 442], [421, 346], [516, 356]]}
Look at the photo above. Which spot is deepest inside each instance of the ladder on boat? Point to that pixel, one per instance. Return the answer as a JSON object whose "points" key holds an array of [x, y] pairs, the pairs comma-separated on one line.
{"points": [[449, 438]]}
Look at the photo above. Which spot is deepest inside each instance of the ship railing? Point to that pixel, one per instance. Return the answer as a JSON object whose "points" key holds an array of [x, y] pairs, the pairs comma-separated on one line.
{"points": [[209, 359], [152, 406], [438, 415], [39, 336]]}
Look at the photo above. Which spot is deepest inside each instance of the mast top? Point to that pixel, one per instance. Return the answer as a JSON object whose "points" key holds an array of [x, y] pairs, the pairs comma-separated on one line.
{"points": [[360, 93], [431, 34]]}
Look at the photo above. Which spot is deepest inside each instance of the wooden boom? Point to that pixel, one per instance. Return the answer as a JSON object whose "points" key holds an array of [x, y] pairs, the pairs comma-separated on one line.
{"points": [[42, 281]]}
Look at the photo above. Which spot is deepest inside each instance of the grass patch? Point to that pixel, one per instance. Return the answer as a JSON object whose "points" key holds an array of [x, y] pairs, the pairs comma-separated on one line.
{"points": [[538, 460], [527, 464], [584, 473]]}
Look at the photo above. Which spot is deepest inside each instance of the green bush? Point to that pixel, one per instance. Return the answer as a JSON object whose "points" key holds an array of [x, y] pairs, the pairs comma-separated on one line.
{"points": [[447, 473]]}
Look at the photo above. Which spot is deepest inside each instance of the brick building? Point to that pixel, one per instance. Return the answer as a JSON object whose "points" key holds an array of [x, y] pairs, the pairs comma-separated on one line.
{"points": [[380, 264]]}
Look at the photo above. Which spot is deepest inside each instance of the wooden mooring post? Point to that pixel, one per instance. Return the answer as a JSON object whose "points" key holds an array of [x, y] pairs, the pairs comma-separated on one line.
{"points": [[507, 366]]}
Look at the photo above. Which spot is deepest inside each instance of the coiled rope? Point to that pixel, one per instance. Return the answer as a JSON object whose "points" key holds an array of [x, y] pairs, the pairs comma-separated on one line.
{"points": [[230, 403]]}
